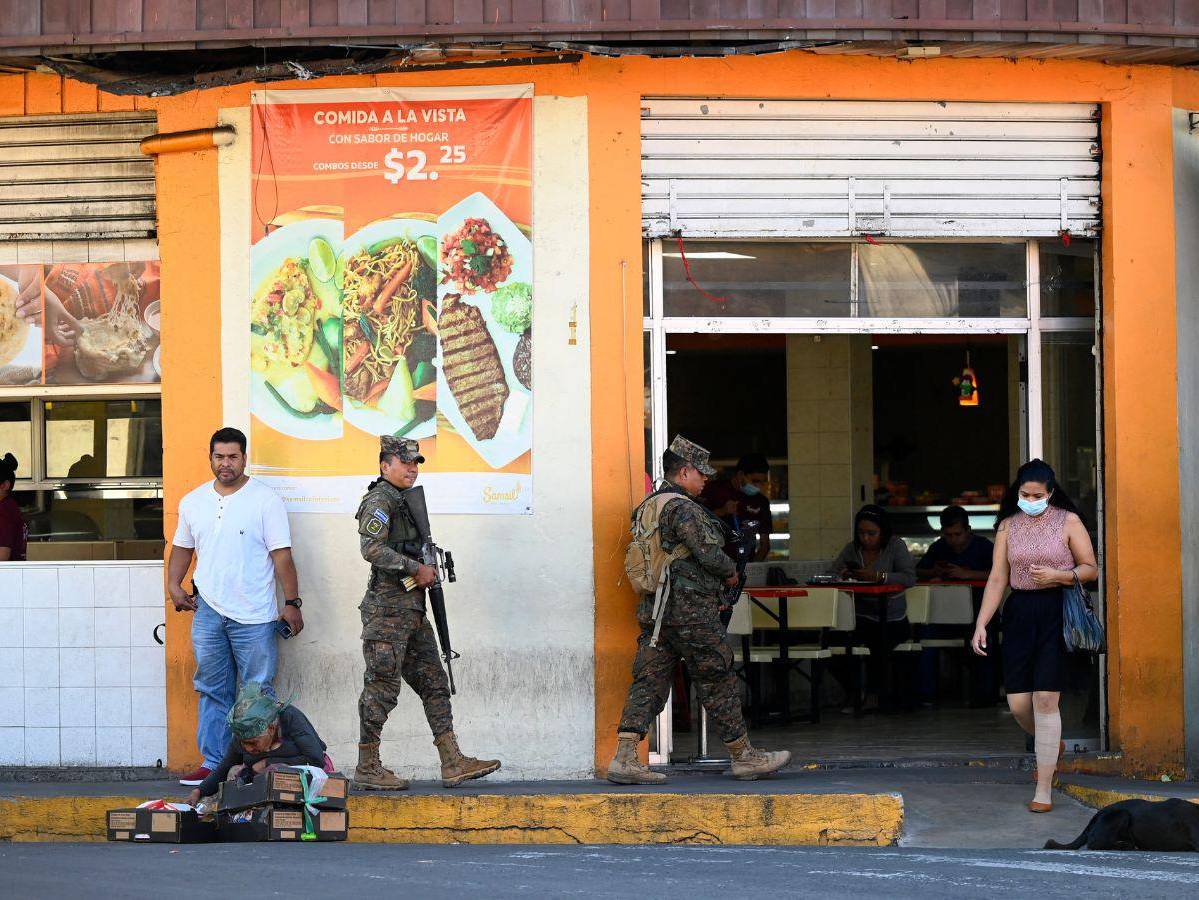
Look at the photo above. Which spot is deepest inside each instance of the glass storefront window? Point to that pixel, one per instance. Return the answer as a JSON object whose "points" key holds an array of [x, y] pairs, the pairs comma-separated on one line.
{"points": [[94, 439], [16, 435], [953, 280], [1067, 278], [1068, 391], [751, 279]]}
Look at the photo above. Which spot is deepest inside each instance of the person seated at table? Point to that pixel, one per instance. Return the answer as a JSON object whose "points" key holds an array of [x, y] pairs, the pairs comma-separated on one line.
{"points": [[959, 554], [267, 734], [877, 556]]}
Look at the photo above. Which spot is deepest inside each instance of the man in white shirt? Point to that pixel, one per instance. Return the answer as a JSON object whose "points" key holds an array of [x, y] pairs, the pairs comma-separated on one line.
{"points": [[238, 526]]}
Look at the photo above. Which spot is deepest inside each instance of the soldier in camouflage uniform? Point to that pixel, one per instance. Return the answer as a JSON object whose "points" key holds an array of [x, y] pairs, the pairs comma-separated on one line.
{"points": [[691, 630], [397, 639]]}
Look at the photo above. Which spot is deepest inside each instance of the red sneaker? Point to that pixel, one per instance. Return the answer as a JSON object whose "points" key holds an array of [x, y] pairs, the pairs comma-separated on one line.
{"points": [[191, 779]]}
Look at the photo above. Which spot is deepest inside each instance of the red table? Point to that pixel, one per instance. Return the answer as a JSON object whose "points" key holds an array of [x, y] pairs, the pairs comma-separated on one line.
{"points": [[884, 593]]}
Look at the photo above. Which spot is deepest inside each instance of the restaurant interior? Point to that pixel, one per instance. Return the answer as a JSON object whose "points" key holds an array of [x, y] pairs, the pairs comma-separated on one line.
{"points": [[850, 419]]}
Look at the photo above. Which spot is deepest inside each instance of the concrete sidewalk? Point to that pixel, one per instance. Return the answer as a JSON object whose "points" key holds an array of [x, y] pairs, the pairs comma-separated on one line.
{"points": [[966, 807]]}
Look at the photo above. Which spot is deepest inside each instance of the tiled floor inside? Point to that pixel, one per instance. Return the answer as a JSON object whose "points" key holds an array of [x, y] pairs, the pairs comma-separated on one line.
{"points": [[923, 734]]}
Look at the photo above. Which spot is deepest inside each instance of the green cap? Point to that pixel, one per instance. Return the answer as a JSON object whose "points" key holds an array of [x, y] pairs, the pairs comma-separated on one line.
{"points": [[405, 449], [253, 712], [695, 455]]}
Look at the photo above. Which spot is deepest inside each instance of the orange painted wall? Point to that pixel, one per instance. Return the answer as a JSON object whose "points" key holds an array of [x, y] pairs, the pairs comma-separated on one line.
{"points": [[1143, 574]]}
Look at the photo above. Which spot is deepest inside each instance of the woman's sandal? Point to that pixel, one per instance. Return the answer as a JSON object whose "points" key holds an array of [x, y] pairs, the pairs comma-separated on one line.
{"points": [[1061, 751], [1038, 807]]}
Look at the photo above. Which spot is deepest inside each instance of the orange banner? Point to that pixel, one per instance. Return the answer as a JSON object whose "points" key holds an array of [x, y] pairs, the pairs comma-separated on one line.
{"points": [[392, 291]]}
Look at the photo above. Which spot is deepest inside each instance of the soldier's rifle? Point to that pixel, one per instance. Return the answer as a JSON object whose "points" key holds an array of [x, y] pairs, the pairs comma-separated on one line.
{"points": [[442, 564]]}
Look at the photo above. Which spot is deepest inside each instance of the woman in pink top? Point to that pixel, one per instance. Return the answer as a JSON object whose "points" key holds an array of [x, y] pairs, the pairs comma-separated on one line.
{"points": [[1041, 543]]}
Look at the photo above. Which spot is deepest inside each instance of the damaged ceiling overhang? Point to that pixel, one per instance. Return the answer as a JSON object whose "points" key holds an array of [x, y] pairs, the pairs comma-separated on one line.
{"points": [[167, 71]]}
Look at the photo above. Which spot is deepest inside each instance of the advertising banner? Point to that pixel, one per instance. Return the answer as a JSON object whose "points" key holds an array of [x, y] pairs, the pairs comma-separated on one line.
{"points": [[80, 323], [391, 292]]}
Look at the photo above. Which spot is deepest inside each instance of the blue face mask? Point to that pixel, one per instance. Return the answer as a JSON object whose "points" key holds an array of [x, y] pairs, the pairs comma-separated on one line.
{"points": [[1033, 507], [750, 490]]}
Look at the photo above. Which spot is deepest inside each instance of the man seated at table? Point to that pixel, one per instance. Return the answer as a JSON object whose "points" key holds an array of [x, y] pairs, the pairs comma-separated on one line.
{"points": [[959, 555]]}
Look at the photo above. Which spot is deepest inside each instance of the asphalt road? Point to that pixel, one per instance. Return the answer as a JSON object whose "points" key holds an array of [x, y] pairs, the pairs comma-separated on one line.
{"points": [[80, 871]]}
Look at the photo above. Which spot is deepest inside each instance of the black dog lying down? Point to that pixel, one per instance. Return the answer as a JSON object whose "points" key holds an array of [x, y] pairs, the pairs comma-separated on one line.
{"points": [[1166, 825]]}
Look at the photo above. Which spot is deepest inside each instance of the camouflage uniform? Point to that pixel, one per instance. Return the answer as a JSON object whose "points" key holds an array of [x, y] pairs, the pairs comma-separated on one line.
{"points": [[691, 629], [397, 639]]}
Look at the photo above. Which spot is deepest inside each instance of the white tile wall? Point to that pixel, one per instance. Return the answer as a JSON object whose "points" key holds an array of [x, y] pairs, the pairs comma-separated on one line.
{"points": [[76, 667], [114, 707], [78, 746], [10, 588], [77, 708], [82, 680], [76, 587], [12, 667], [112, 585], [41, 747], [114, 747], [112, 666], [12, 746], [11, 631], [41, 668], [40, 588]]}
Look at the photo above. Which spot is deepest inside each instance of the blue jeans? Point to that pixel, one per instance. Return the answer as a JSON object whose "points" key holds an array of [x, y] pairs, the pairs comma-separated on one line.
{"points": [[228, 654]]}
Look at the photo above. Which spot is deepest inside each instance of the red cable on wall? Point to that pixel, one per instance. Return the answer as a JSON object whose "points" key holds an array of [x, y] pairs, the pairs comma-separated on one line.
{"points": [[691, 278]]}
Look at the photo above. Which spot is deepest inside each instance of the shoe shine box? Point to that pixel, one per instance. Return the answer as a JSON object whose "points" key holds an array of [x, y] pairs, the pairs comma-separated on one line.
{"points": [[281, 786], [159, 826], [271, 822]]}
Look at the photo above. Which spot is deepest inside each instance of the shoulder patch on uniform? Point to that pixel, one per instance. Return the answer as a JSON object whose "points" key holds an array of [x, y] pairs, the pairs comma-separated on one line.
{"points": [[381, 516], [373, 526]]}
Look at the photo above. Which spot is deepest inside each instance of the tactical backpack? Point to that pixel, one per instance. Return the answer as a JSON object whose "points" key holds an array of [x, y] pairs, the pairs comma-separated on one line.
{"points": [[646, 563]]}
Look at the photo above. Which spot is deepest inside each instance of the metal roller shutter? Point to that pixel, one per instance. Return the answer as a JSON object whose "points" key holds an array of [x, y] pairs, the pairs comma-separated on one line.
{"points": [[798, 168], [76, 177]]}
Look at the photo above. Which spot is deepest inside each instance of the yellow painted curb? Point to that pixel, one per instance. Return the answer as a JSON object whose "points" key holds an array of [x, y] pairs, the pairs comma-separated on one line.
{"points": [[1097, 798], [585, 818]]}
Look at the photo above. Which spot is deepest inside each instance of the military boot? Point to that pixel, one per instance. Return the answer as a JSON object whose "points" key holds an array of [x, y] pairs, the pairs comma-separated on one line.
{"points": [[371, 773], [750, 764], [456, 768], [626, 768]]}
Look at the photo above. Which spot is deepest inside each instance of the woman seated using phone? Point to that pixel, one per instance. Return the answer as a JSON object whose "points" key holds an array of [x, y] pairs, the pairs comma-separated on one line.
{"points": [[266, 734], [876, 555]]}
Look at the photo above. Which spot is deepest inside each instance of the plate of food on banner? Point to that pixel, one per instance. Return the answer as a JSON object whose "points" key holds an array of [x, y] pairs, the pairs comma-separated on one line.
{"points": [[20, 341], [485, 330], [295, 330], [387, 272]]}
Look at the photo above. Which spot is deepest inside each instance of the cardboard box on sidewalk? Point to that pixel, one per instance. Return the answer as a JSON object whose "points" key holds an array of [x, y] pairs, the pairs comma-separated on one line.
{"points": [[270, 822], [280, 786], [158, 826]]}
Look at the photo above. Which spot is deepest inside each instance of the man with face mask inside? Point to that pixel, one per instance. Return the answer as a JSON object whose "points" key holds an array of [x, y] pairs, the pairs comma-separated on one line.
{"points": [[742, 502]]}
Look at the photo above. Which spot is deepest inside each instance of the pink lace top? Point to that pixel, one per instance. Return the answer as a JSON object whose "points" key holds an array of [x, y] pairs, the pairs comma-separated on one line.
{"points": [[1039, 541]]}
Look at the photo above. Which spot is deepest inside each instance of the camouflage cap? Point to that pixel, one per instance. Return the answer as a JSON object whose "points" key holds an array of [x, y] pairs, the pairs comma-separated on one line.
{"points": [[694, 454], [403, 448]]}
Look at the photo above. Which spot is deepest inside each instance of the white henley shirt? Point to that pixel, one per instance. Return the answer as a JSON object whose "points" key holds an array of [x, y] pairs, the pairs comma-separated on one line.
{"points": [[233, 537]]}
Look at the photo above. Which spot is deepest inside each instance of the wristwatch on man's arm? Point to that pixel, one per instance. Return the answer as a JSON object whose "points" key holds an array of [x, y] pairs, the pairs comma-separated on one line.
{"points": [[296, 602]]}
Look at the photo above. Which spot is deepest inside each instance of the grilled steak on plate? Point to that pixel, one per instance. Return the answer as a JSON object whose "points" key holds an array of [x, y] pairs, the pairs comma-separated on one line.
{"points": [[472, 366]]}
